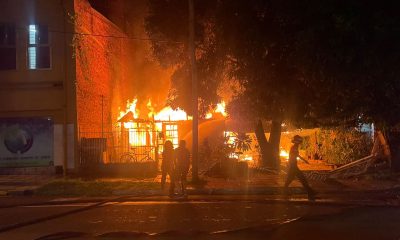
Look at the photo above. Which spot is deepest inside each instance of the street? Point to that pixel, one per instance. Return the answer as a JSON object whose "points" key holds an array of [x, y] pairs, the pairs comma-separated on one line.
{"points": [[201, 218]]}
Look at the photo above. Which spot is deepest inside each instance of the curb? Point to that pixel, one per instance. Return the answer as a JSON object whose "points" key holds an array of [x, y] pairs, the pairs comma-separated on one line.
{"points": [[25, 192], [268, 195], [217, 191], [203, 198]]}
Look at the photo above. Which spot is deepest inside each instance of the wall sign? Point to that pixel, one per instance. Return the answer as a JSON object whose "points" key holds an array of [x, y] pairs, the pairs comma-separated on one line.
{"points": [[26, 142]]}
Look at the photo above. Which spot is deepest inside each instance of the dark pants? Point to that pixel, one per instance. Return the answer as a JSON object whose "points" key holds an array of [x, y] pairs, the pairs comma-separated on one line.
{"points": [[294, 171], [171, 179], [182, 177]]}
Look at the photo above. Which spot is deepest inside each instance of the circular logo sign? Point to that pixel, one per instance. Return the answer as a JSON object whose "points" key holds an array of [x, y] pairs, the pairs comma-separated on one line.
{"points": [[18, 140]]}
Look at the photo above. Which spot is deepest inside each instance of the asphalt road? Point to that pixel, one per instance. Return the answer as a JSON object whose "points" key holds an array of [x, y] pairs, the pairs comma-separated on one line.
{"points": [[203, 219]]}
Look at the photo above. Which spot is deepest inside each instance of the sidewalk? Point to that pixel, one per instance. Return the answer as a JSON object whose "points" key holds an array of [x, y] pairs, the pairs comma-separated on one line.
{"points": [[17, 190], [378, 192], [22, 184]]}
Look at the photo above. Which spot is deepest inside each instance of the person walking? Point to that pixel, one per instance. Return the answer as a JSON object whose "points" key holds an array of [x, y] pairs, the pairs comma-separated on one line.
{"points": [[293, 169], [167, 166], [182, 156]]}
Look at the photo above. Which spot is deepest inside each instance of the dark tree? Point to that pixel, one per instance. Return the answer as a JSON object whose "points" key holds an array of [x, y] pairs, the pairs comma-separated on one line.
{"points": [[306, 62], [350, 61], [167, 26], [261, 46]]}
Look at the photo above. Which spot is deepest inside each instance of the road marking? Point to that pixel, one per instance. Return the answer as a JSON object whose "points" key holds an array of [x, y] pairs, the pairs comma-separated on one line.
{"points": [[168, 202], [59, 205]]}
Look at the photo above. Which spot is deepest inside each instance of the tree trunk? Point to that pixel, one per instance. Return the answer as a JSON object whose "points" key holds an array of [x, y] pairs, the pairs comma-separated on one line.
{"points": [[263, 143], [269, 149], [274, 141]]}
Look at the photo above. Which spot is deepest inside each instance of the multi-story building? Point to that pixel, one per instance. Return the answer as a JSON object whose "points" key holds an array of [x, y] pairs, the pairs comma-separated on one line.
{"points": [[60, 65]]}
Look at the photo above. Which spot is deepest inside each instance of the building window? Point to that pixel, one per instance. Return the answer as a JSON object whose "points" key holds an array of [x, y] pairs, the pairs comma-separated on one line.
{"points": [[171, 133], [39, 56], [8, 50]]}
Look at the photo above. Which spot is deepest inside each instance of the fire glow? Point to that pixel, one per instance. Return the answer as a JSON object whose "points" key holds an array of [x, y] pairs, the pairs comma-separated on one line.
{"points": [[167, 113], [284, 154], [142, 126], [220, 108]]}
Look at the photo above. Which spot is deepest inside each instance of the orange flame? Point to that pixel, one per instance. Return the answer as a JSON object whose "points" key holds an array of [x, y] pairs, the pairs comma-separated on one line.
{"points": [[168, 114], [142, 137], [138, 136], [151, 109], [220, 108], [130, 107], [284, 154]]}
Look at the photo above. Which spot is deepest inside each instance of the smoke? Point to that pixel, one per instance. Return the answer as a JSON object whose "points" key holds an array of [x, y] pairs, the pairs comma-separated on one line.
{"points": [[147, 79], [150, 81]]}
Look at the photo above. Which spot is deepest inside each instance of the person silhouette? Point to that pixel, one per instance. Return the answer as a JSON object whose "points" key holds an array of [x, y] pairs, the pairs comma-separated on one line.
{"points": [[182, 156], [293, 169], [167, 166]]}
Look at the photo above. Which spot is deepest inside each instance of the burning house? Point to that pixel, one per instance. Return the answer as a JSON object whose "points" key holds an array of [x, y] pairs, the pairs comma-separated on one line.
{"points": [[142, 138]]}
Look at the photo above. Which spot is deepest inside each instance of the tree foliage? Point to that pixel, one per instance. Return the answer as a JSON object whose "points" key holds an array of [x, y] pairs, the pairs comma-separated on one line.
{"points": [[242, 142], [349, 55], [167, 25], [304, 61]]}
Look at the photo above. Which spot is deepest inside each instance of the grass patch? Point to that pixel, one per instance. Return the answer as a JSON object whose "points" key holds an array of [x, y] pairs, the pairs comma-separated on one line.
{"points": [[78, 187]]}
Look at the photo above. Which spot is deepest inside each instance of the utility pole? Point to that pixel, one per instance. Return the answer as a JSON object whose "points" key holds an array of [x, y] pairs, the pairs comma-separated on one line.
{"points": [[66, 99], [195, 106], [102, 116]]}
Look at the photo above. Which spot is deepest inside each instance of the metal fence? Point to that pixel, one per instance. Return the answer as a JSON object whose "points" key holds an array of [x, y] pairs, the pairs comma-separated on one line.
{"points": [[118, 146]]}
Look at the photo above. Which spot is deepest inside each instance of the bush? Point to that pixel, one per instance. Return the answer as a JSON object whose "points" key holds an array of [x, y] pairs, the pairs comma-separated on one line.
{"points": [[341, 146]]}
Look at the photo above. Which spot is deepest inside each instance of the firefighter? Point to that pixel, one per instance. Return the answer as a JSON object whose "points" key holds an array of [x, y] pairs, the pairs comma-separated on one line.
{"points": [[167, 166], [182, 156], [293, 169]]}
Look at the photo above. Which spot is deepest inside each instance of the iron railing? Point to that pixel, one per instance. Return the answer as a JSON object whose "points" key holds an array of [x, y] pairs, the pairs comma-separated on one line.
{"points": [[120, 146]]}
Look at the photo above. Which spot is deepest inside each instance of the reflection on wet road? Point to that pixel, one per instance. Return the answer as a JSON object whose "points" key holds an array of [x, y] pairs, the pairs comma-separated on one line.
{"points": [[166, 217]]}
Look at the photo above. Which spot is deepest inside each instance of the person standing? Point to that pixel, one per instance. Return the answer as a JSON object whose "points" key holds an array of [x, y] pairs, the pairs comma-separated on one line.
{"points": [[167, 166], [182, 155], [293, 169]]}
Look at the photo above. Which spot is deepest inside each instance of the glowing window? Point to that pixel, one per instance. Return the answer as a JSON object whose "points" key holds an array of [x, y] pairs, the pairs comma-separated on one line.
{"points": [[171, 133], [39, 56]]}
